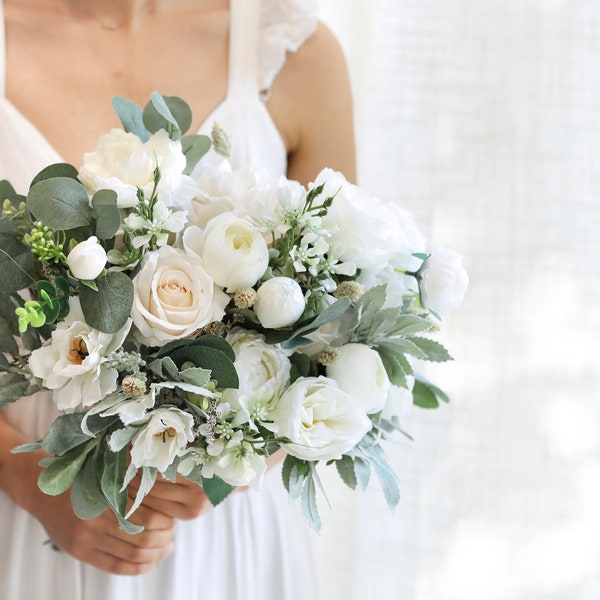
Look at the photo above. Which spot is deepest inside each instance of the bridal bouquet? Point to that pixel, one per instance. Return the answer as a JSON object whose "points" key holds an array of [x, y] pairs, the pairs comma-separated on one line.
{"points": [[189, 319]]}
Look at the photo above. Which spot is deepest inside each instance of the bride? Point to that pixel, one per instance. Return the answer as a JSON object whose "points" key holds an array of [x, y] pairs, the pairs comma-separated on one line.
{"points": [[275, 79]]}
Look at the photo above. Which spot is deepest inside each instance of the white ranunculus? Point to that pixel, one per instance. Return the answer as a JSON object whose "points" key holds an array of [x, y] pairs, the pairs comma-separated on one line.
{"points": [[360, 372], [123, 163], [239, 465], [233, 252], [279, 302], [87, 260], [173, 297], [365, 230], [264, 372], [166, 433], [320, 419], [444, 280], [71, 364]]}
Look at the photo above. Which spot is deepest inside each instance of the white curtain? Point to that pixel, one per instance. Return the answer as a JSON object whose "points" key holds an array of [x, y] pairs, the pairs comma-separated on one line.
{"points": [[483, 118]]}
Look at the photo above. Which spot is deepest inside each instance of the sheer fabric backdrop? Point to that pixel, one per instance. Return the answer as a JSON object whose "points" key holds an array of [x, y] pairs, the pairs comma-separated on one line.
{"points": [[483, 117]]}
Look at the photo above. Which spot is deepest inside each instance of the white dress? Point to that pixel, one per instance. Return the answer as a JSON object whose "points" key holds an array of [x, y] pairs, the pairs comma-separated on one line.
{"points": [[254, 545]]}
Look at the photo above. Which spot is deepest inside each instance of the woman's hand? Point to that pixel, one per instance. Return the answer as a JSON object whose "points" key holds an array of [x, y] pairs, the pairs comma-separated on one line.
{"points": [[182, 499]]}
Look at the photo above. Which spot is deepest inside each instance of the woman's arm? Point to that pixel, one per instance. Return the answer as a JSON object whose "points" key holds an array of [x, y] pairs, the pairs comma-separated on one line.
{"points": [[311, 104]]}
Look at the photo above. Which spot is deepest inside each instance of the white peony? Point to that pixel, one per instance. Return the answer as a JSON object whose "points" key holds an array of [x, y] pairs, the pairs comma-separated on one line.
{"points": [[87, 260], [360, 372], [71, 364], [238, 464], [443, 280], [174, 297], [123, 163], [279, 302], [321, 420], [166, 433], [232, 250], [264, 372]]}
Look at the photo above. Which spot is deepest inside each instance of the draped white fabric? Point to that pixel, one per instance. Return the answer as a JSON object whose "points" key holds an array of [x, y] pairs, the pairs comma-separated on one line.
{"points": [[483, 117]]}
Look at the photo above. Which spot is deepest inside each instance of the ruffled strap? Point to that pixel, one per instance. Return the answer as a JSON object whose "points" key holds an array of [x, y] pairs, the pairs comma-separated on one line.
{"points": [[284, 25]]}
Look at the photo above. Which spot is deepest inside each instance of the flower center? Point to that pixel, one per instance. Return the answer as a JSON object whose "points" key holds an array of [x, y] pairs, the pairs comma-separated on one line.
{"points": [[169, 432], [78, 352]]}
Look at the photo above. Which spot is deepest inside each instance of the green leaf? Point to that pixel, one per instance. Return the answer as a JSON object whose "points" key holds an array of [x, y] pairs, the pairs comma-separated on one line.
{"points": [[345, 468], [194, 147], [146, 484], [130, 115], [407, 324], [363, 472], [54, 171], [108, 309], [65, 434], [205, 357], [61, 471], [216, 489], [7, 191], [86, 496], [396, 365], [29, 447], [195, 376], [61, 203], [309, 504], [7, 340], [169, 113], [432, 350], [16, 262], [111, 470], [386, 475], [108, 217], [12, 387], [332, 313], [426, 394]]}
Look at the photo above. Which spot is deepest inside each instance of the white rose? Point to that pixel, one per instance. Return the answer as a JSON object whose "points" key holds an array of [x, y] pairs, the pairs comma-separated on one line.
{"points": [[443, 280], [87, 259], [157, 443], [71, 364], [173, 297], [233, 251], [320, 419], [264, 372], [365, 230], [123, 163], [360, 372], [279, 302]]}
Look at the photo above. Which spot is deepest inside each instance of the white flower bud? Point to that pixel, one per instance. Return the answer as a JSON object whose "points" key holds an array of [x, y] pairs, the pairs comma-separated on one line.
{"points": [[87, 260], [279, 302]]}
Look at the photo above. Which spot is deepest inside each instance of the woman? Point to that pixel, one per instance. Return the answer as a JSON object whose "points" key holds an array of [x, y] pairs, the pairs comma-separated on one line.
{"points": [[289, 113]]}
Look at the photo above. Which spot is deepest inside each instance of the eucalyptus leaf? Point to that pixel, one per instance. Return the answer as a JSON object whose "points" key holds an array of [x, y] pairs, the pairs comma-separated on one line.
{"points": [[206, 357], [216, 489], [7, 340], [16, 262], [108, 309], [12, 387], [108, 217], [86, 496], [194, 147], [54, 171], [426, 394], [7, 191], [169, 113], [130, 115], [60, 203]]}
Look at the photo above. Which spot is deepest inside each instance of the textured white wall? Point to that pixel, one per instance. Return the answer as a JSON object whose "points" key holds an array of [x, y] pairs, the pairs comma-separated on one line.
{"points": [[483, 117]]}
